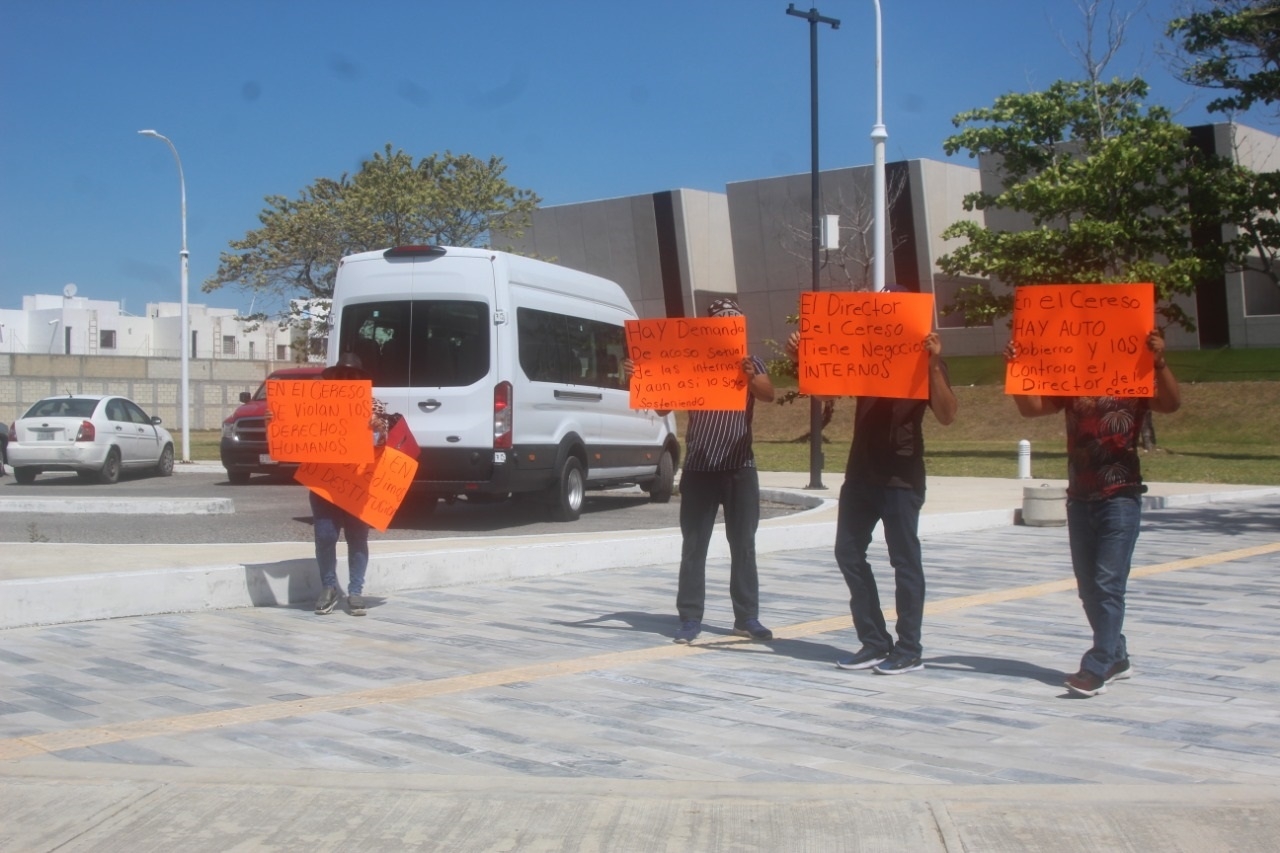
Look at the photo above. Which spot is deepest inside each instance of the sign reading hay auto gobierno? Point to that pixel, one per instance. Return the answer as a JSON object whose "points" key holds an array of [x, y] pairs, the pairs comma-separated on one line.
{"points": [[689, 364], [320, 420], [865, 344], [1082, 340]]}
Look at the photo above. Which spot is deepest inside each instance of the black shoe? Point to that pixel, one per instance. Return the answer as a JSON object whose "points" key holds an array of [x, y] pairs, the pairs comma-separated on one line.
{"points": [[1119, 671], [864, 658], [689, 631], [753, 629], [327, 600], [898, 663]]}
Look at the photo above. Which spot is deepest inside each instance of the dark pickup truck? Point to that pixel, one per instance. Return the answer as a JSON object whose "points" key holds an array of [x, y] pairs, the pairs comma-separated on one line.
{"points": [[244, 434]]}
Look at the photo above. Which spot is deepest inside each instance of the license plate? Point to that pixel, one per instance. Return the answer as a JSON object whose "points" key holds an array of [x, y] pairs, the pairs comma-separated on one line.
{"points": [[265, 459], [44, 436]]}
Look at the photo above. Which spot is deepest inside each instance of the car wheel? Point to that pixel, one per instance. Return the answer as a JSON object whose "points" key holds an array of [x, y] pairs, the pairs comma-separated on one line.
{"points": [[569, 491], [663, 486], [238, 478], [165, 466], [110, 472], [25, 476]]}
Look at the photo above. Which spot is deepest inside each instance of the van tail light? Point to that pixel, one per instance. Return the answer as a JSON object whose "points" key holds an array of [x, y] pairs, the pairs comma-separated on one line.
{"points": [[502, 416], [86, 431]]}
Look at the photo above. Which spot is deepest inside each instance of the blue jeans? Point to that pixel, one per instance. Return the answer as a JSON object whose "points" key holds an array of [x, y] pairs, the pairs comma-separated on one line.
{"points": [[1103, 535], [862, 506], [327, 522], [702, 493]]}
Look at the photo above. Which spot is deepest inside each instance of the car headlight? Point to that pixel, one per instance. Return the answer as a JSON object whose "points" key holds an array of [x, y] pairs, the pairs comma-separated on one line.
{"points": [[228, 430]]}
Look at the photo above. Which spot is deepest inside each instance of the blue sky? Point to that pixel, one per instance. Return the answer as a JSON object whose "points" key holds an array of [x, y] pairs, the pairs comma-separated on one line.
{"points": [[582, 100]]}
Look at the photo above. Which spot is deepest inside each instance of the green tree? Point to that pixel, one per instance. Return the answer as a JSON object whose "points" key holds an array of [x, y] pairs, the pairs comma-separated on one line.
{"points": [[1234, 46], [1105, 187], [446, 199]]}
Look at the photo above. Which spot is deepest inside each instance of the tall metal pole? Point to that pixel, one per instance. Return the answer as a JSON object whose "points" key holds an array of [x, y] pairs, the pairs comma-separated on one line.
{"points": [[815, 238], [878, 136], [185, 333]]}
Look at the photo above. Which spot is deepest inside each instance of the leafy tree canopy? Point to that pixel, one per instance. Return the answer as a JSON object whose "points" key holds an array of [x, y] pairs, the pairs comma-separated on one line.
{"points": [[1234, 46], [446, 199], [1104, 188]]}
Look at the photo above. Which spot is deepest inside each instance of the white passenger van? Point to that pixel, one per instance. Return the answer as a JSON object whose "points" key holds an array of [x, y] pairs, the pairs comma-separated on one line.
{"points": [[507, 370]]}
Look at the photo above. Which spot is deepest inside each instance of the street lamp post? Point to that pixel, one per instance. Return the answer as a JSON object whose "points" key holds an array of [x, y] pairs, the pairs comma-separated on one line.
{"points": [[878, 136], [815, 238], [185, 333]]}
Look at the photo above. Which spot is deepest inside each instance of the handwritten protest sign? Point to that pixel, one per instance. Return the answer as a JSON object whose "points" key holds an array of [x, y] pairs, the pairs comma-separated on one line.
{"points": [[693, 363], [865, 344], [320, 420], [372, 492], [1082, 340]]}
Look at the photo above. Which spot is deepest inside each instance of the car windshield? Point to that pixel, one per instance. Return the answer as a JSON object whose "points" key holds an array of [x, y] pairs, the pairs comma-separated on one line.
{"points": [[62, 407]]}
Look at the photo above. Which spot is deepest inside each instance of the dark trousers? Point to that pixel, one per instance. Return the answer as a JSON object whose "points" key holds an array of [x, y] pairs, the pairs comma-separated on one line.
{"points": [[1103, 535], [898, 509], [328, 521], [702, 493]]}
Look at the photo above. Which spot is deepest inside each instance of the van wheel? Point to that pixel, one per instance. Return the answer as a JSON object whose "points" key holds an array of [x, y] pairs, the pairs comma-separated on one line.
{"points": [[663, 486], [238, 478], [568, 493], [110, 472]]}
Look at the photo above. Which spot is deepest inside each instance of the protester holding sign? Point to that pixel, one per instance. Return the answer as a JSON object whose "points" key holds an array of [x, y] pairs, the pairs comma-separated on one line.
{"points": [[1104, 503], [720, 470], [884, 483], [329, 520]]}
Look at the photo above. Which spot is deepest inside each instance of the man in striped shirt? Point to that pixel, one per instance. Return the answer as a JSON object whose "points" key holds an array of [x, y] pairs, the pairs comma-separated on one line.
{"points": [[720, 470]]}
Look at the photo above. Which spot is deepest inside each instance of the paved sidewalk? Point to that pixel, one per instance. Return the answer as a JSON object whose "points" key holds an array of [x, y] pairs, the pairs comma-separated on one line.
{"points": [[552, 712]]}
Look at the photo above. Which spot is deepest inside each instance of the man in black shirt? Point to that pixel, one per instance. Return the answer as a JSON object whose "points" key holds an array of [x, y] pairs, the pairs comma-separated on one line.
{"points": [[884, 482]]}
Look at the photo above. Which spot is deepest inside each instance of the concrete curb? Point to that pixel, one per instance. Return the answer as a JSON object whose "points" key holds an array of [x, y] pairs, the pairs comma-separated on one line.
{"points": [[117, 506], [291, 579]]}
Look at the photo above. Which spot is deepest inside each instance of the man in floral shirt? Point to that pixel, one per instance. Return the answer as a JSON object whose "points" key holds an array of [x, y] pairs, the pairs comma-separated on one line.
{"points": [[1104, 507]]}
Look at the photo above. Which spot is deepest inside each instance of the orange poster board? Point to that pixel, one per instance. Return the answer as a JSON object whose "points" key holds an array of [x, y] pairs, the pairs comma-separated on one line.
{"points": [[1085, 340], [865, 344], [693, 363], [371, 492], [320, 420]]}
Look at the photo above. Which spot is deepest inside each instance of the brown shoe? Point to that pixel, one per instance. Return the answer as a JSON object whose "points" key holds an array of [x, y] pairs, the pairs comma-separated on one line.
{"points": [[1085, 683]]}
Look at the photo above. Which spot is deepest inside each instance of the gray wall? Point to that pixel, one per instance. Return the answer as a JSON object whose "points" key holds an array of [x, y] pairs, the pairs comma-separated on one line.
{"points": [[153, 383]]}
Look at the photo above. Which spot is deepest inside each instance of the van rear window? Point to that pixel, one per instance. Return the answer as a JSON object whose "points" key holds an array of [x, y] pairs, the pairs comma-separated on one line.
{"points": [[436, 343]]}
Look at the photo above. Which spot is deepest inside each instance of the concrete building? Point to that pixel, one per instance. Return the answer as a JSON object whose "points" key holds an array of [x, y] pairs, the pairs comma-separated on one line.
{"points": [[668, 252]]}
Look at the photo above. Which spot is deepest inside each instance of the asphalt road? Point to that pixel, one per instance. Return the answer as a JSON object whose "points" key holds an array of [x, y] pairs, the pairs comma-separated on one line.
{"points": [[272, 510]]}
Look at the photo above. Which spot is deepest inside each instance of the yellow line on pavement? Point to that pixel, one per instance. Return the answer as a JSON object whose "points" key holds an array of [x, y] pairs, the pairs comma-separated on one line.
{"points": [[49, 742]]}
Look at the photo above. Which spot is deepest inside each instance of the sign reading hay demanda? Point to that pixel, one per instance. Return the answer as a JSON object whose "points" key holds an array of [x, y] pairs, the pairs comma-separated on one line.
{"points": [[1085, 340], [320, 420], [693, 363], [865, 344], [371, 492]]}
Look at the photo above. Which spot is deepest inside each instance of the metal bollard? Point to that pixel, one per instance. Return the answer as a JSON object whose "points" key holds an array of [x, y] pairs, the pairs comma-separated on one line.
{"points": [[1024, 460]]}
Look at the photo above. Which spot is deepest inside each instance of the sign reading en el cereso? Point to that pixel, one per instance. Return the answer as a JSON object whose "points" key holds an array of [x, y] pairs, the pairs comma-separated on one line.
{"points": [[689, 364], [1086, 340], [320, 420]]}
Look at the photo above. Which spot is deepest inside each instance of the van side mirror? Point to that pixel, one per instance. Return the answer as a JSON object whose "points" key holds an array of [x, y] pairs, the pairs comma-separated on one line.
{"points": [[244, 396]]}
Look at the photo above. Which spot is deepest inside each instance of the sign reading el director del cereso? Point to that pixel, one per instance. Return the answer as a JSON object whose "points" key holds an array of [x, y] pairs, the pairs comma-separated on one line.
{"points": [[865, 344], [320, 420], [1082, 340]]}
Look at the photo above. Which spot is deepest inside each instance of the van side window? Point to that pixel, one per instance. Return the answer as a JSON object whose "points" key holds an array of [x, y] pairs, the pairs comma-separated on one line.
{"points": [[420, 343], [569, 350]]}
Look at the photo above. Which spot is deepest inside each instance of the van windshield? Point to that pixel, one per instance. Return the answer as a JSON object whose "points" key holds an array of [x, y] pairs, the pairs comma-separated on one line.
{"points": [[437, 343]]}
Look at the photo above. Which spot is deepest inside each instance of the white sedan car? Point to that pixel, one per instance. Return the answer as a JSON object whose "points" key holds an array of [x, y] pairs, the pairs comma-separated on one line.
{"points": [[94, 435]]}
